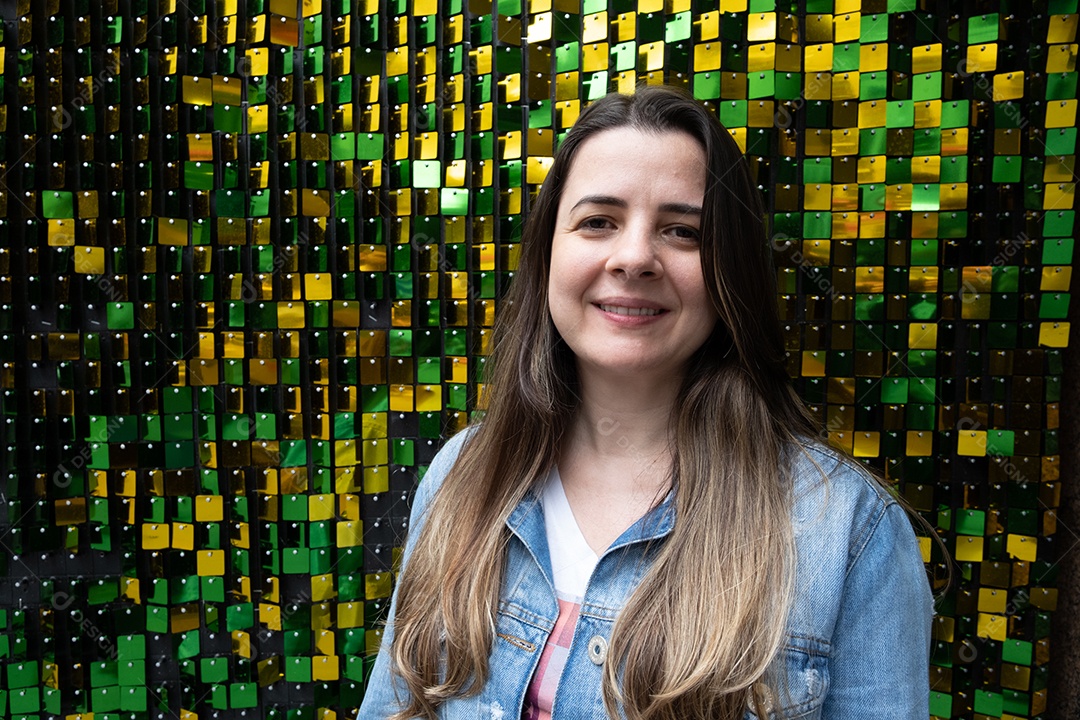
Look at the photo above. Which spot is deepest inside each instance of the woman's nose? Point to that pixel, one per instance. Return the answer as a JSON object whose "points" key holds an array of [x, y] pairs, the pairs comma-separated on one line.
{"points": [[633, 254]]}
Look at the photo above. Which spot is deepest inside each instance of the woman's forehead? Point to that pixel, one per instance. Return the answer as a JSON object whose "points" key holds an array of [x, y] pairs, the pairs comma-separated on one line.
{"points": [[633, 165]]}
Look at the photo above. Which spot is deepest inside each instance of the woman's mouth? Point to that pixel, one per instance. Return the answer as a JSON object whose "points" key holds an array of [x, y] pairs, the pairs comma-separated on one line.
{"points": [[623, 310]]}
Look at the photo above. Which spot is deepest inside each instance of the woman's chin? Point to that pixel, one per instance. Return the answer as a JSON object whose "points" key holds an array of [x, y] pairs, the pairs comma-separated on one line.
{"points": [[631, 369]]}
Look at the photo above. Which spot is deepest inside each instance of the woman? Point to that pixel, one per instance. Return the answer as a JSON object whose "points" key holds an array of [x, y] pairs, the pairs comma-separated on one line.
{"points": [[643, 525]]}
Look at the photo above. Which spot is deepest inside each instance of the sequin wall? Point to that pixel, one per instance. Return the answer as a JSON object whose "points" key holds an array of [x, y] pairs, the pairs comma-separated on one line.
{"points": [[251, 252]]}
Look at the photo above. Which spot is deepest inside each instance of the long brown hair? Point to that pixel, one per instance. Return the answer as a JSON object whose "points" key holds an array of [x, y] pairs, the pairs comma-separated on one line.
{"points": [[732, 544]]}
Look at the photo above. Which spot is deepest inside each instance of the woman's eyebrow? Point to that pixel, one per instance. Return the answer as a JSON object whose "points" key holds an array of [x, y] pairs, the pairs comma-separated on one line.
{"points": [[678, 208], [599, 200]]}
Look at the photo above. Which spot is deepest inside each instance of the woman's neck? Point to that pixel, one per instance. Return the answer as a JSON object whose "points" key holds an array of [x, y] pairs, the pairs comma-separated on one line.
{"points": [[615, 462], [623, 419]]}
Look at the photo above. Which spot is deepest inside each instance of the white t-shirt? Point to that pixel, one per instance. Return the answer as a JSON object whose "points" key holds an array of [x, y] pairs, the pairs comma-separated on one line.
{"points": [[572, 559], [572, 564]]}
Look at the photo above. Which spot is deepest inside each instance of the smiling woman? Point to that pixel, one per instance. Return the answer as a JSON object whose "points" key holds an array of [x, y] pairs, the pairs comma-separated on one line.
{"points": [[626, 291], [643, 526]]}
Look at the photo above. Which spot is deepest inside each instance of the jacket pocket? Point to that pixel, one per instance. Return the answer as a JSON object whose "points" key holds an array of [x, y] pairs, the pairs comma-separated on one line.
{"points": [[475, 708], [801, 680]]}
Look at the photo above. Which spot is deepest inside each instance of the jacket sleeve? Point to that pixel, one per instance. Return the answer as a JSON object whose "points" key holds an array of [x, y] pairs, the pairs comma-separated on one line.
{"points": [[385, 692], [880, 660]]}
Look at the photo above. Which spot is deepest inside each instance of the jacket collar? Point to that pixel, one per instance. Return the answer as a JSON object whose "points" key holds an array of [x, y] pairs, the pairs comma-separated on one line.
{"points": [[526, 521]]}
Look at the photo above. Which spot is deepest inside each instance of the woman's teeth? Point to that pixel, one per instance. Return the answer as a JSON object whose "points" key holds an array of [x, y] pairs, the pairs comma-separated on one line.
{"points": [[619, 310]]}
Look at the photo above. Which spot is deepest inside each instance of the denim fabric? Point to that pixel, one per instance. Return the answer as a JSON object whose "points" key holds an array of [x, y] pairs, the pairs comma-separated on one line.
{"points": [[858, 637]]}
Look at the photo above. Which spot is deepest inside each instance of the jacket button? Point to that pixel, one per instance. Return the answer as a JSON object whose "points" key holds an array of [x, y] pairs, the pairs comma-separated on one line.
{"points": [[598, 649]]}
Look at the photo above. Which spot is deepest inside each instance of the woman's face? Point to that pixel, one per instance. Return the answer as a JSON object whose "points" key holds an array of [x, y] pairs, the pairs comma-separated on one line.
{"points": [[625, 289]]}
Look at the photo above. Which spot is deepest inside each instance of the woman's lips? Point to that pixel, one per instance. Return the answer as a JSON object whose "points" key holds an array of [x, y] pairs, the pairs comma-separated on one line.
{"points": [[630, 311]]}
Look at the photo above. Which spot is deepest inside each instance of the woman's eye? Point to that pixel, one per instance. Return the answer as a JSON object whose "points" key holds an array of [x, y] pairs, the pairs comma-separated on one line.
{"points": [[685, 233], [596, 223]]}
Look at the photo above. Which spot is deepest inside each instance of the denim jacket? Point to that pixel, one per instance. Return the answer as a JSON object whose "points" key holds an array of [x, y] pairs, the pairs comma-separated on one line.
{"points": [[858, 637]]}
